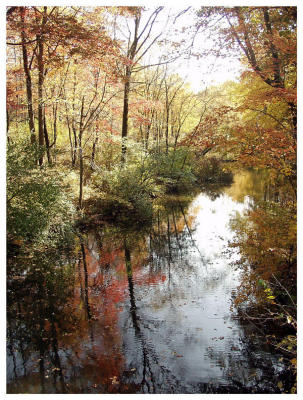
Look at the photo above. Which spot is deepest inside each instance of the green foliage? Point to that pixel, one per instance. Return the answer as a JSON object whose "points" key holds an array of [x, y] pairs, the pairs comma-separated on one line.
{"points": [[37, 208], [173, 170], [126, 191], [123, 193]]}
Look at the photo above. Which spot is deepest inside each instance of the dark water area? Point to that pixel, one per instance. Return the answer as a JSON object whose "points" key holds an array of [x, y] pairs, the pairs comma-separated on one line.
{"points": [[140, 311]]}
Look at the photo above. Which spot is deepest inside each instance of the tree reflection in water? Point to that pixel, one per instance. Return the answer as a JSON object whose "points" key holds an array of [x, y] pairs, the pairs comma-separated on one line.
{"points": [[129, 311], [38, 288]]}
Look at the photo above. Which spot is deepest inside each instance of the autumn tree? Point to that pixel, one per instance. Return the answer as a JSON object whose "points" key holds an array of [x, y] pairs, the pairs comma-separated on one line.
{"points": [[48, 36], [266, 39], [84, 108], [141, 37]]}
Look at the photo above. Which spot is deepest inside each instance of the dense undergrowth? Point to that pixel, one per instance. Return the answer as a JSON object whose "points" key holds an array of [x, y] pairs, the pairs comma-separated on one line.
{"points": [[40, 208]]}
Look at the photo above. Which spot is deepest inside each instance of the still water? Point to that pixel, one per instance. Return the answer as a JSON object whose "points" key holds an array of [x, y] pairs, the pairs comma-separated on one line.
{"points": [[139, 310]]}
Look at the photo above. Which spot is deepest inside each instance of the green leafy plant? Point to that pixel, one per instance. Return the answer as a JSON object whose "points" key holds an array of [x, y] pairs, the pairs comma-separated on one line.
{"points": [[37, 207]]}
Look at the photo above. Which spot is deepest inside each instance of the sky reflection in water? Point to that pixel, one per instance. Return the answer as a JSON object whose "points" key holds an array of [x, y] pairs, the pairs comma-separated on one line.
{"points": [[137, 312]]}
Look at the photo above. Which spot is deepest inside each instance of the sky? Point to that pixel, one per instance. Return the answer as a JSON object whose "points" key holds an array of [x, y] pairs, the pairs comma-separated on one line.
{"points": [[202, 72], [205, 71]]}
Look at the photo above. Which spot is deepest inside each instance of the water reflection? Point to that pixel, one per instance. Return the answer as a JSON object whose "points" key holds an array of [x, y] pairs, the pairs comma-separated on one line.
{"points": [[38, 288], [134, 311], [259, 185]]}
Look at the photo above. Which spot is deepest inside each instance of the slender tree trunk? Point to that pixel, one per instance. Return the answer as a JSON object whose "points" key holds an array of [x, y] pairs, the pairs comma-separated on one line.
{"points": [[7, 125], [147, 137], [131, 55], [166, 132], [72, 148], [75, 147], [167, 118], [81, 175], [55, 125], [28, 81], [94, 150], [125, 114], [40, 62], [74, 158], [81, 165], [46, 138]]}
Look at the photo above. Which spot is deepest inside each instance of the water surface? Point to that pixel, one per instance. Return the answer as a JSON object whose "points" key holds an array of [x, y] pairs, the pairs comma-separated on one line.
{"points": [[138, 311]]}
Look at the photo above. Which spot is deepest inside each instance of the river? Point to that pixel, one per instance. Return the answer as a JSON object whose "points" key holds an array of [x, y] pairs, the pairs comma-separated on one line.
{"points": [[141, 310]]}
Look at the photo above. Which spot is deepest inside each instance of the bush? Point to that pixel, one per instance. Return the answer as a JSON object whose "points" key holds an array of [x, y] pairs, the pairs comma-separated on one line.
{"points": [[124, 194], [173, 170], [37, 208]]}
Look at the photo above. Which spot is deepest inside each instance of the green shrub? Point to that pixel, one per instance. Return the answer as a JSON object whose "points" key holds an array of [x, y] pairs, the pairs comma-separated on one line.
{"points": [[173, 170], [37, 208], [123, 193]]}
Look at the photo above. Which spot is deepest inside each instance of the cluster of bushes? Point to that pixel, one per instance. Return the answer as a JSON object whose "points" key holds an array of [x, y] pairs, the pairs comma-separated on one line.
{"points": [[126, 192], [38, 207], [41, 201], [172, 171]]}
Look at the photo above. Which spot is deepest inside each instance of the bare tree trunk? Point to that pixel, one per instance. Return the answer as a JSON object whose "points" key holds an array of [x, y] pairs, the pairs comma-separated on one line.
{"points": [[131, 55], [28, 81], [166, 131], [81, 170], [75, 147], [72, 146], [74, 157], [7, 126], [94, 150], [125, 114], [81, 166], [40, 84], [46, 138]]}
